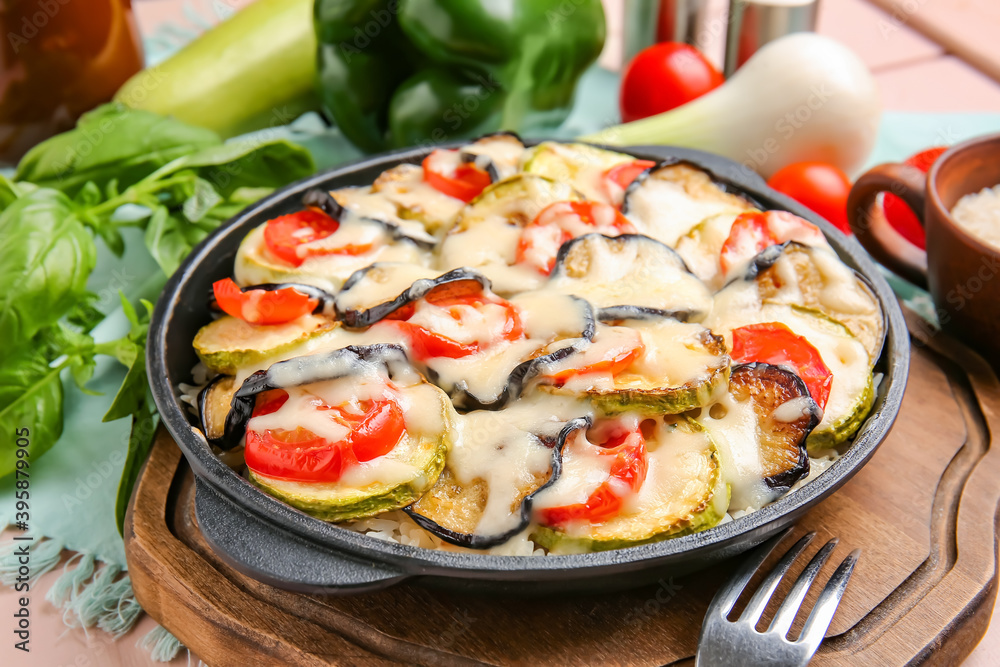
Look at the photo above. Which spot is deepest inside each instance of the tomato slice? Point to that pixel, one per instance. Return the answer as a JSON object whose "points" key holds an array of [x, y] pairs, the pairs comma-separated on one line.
{"points": [[445, 172], [375, 427], [613, 359], [561, 221], [259, 306], [774, 343], [754, 231], [628, 472], [457, 303], [896, 210], [283, 235], [623, 174]]}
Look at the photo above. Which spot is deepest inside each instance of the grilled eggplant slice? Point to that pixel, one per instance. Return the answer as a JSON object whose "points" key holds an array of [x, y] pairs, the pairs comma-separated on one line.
{"points": [[361, 284], [852, 390], [815, 277], [469, 514], [213, 406], [229, 343], [390, 481], [498, 153], [683, 492], [581, 165], [662, 367], [487, 231], [670, 199], [628, 270]]}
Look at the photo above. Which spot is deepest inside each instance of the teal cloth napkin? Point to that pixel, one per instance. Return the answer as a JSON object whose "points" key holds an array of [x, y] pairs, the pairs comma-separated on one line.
{"points": [[74, 485]]}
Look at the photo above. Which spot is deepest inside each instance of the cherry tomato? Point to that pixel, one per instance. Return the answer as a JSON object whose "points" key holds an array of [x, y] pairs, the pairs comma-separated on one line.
{"points": [[774, 343], [754, 231], [459, 301], [445, 172], [898, 213], [665, 76], [258, 306], [285, 234], [613, 359], [300, 455], [561, 221], [818, 186], [628, 470]]}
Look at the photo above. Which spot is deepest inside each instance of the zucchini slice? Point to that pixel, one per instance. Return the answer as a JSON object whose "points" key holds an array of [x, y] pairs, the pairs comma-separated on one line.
{"points": [[816, 278], [229, 343], [255, 265], [679, 367], [384, 483], [403, 187], [487, 231], [683, 493], [379, 283], [852, 390], [581, 165], [668, 200], [629, 270], [701, 247], [213, 406], [505, 470]]}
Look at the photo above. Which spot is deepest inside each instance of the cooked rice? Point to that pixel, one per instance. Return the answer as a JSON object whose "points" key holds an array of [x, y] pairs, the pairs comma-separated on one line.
{"points": [[979, 214]]}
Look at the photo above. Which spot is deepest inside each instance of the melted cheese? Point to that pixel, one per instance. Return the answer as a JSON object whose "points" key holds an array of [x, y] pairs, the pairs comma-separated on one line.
{"points": [[735, 429], [629, 273], [547, 316], [490, 247], [255, 265], [381, 283], [664, 210], [504, 152], [702, 246], [504, 449], [404, 186]]}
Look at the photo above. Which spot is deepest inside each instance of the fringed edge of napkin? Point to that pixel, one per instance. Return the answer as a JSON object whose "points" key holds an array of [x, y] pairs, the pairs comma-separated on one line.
{"points": [[90, 593]]}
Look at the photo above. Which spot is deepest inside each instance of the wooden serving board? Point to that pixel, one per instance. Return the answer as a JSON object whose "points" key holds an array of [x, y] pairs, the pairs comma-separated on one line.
{"points": [[923, 511]]}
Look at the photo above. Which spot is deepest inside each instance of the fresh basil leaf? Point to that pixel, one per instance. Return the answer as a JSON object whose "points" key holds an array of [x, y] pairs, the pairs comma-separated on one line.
{"points": [[8, 192], [140, 442], [46, 260], [133, 390], [31, 406], [85, 314], [111, 142], [165, 240], [248, 163], [201, 200], [89, 195]]}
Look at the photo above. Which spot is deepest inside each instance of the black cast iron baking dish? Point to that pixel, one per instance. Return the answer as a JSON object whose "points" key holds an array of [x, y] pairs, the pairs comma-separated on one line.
{"points": [[272, 542]]}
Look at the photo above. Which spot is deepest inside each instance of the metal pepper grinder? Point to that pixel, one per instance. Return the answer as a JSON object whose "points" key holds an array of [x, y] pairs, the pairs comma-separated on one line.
{"points": [[648, 22], [754, 23]]}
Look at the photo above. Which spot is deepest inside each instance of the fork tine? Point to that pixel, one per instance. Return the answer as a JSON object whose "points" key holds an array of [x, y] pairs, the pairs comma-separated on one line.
{"points": [[785, 615], [730, 591], [766, 589], [826, 606]]}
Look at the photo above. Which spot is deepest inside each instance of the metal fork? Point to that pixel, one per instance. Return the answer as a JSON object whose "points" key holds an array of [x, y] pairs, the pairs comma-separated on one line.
{"points": [[725, 643]]}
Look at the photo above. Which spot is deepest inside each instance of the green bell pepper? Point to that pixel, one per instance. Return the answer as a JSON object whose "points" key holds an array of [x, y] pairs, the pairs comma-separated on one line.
{"points": [[402, 72]]}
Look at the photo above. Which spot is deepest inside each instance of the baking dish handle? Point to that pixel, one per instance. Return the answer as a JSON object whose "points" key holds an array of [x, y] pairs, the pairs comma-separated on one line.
{"points": [[264, 552]]}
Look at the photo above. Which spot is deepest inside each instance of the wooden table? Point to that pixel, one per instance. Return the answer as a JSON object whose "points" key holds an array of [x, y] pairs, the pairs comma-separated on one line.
{"points": [[917, 58]]}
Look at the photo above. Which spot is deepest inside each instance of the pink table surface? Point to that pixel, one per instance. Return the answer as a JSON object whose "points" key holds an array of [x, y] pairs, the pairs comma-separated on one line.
{"points": [[915, 73]]}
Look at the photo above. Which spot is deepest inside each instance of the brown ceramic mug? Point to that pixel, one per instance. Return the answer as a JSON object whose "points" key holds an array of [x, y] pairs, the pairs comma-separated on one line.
{"points": [[961, 271]]}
